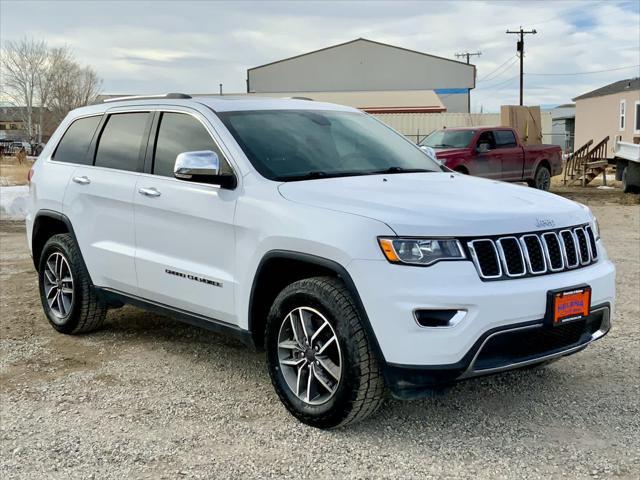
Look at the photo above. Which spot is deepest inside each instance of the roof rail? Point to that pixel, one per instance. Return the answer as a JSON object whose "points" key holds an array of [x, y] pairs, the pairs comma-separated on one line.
{"points": [[148, 97]]}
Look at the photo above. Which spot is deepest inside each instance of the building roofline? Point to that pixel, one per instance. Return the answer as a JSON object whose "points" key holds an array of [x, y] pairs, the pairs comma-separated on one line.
{"points": [[612, 89], [358, 40]]}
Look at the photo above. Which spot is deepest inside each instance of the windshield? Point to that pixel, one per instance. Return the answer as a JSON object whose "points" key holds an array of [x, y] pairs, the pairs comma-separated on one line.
{"points": [[302, 144], [449, 139]]}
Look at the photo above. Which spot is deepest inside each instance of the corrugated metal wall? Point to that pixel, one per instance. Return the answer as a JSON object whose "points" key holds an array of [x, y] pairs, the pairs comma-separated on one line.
{"points": [[418, 125]]}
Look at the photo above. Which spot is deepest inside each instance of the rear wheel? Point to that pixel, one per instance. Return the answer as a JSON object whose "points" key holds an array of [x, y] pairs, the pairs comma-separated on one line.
{"points": [[319, 357], [68, 297], [542, 178], [626, 187]]}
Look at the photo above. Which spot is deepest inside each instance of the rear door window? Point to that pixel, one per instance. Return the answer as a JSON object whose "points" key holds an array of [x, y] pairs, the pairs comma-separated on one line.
{"points": [[179, 133], [505, 139], [75, 142], [122, 140]]}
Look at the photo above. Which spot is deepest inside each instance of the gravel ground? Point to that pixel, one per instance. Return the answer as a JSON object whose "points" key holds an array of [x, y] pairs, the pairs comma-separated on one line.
{"points": [[147, 397]]}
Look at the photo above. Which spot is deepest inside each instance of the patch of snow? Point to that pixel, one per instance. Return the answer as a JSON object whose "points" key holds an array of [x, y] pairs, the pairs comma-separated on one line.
{"points": [[605, 187], [13, 202]]}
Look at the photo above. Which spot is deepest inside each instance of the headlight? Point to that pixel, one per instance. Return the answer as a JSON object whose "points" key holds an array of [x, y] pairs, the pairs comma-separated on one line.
{"points": [[595, 226], [420, 251]]}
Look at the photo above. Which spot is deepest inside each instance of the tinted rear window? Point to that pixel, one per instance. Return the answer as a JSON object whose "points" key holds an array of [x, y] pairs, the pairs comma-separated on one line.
{"points": [[76, 140], [121, 142]]}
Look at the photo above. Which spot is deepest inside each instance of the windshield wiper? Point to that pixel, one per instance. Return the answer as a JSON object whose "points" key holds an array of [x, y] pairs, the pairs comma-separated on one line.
{"points": [[396, 169], [316, 174], [444, 145]]}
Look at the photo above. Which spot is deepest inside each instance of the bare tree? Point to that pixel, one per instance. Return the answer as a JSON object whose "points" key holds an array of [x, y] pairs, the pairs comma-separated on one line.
{"points": [[39, 78], [56, 59], [22, 64], [73, 86]]}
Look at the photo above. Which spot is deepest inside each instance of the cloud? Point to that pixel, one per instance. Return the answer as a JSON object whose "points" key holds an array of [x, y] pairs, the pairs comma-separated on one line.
{"points": [[194, 46]]}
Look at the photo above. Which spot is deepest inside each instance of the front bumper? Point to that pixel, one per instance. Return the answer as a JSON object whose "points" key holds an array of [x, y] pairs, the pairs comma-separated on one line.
{"points": [[502, 349], [391, 293]]}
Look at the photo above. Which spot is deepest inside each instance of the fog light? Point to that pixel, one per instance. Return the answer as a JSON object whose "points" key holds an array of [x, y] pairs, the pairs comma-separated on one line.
{"points": [[438, 318]]}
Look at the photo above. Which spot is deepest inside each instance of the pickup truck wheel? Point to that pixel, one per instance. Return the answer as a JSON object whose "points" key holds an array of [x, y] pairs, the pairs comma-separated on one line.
{"points": [[319, 357], [68, 298], [542, 179], [626, 188]]}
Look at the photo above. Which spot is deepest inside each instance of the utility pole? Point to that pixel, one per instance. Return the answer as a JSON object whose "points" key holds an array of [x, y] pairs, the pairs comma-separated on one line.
{"points": [[467, 55], [520, 50]]}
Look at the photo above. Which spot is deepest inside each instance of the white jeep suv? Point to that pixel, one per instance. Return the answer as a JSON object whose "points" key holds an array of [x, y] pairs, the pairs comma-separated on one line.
{"points": [[315, 232]]}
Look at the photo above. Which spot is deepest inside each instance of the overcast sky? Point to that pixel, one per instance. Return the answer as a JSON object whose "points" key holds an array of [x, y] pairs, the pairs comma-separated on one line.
{"points": [[144, 47]]}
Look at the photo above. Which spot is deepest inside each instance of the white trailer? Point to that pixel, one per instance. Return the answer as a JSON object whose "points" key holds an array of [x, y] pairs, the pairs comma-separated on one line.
{"points": [[627, 157]]}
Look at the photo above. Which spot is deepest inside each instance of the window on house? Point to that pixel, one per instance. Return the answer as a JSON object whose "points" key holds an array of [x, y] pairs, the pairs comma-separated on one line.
{"points": [[636, 128], [623, 108]]}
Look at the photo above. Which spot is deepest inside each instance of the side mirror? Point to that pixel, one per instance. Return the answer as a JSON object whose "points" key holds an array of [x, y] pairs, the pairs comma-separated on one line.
{"points": [[202, 166], [431, 153], [483, 148]]}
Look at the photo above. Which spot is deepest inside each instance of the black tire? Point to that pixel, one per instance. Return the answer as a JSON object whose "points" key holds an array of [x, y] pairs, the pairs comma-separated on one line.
{"points": [[86, 311], [626, 188], [360, 390], [542, 179]]}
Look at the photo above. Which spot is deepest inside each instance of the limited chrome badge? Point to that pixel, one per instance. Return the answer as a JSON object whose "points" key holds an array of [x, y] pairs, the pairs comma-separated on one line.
{"points": [[545, 223]]}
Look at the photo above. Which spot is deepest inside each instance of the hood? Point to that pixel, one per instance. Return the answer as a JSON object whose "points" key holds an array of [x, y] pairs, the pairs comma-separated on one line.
{"points": [[440, 204], [443, 153]]}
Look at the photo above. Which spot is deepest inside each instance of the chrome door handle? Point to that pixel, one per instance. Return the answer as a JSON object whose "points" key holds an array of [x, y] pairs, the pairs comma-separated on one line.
{"points": [[149, 192], [84, 180]]}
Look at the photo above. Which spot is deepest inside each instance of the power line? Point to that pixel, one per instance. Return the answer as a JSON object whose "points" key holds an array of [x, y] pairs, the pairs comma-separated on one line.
{"points": [[585, 73], [493, 94], [502, 82], [497, 73], [496, 69]]}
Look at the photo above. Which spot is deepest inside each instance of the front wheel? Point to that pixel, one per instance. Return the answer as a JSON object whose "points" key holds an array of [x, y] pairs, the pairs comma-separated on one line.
{"points": [[542, 178], [319, 357]]}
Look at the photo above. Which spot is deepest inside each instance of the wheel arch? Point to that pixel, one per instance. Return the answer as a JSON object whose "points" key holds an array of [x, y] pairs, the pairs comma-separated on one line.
{"points": [[46, 224], [279, 268], [543, 162]]}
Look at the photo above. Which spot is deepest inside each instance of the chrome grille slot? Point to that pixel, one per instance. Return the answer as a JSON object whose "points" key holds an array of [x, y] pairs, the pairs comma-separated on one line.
{"points": [[513, 256], [534, 254], [485, 256], [583, 246], [553, 251], [569, 248]]}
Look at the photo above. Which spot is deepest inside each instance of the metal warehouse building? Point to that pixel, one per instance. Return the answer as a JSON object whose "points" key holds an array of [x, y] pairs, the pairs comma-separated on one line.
{"points": [[396, 80]]}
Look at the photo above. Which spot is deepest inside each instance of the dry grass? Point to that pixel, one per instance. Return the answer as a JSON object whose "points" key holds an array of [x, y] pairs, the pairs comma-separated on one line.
{"points": [[11, 173]]}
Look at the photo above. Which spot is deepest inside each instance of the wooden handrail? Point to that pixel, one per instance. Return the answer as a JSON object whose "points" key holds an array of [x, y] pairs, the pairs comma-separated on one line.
{"points": [[599, 152], [575, 161]]}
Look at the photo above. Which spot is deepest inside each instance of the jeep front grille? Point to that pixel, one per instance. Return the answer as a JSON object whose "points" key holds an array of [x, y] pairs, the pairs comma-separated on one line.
{"points": [[514, 256]]}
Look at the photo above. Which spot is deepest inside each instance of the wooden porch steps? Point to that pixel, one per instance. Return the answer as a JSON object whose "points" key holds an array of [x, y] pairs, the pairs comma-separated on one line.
{"points": [[586, 163]]}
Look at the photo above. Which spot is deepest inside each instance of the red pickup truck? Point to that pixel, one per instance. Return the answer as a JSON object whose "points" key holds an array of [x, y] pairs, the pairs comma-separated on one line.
{"points": [[497, 153]]}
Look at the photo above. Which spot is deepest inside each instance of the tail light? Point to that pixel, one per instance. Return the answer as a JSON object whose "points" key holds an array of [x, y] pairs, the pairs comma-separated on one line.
{"points": [[30, 175]]}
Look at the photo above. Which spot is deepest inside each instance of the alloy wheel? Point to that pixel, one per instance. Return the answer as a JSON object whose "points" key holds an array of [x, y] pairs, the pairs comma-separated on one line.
{"points": [[58, 285], [309, 355]]}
